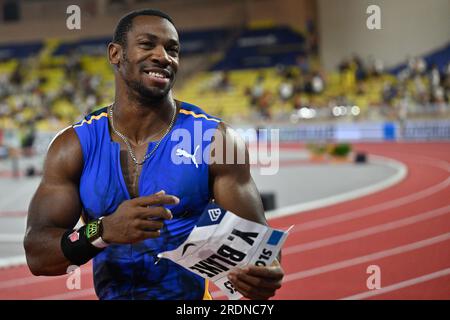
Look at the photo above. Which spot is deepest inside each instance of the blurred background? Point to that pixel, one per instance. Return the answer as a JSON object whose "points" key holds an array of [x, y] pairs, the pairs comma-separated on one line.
{"points": [[363, 116]]}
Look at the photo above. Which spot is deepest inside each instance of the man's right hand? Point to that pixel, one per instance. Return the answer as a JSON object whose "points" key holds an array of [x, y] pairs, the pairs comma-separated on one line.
{"points": [[138, 219]]}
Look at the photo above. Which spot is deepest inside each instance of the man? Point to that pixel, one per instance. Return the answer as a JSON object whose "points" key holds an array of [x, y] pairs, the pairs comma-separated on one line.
{"points": [[117, 169]]}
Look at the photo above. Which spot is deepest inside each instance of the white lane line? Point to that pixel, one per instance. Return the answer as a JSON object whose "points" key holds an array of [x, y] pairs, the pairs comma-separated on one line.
{"points": [[401, 172], [367, 231], [375, 208], [372, 209], [444, 165], [11, 283], [74, 294], [359, 260], [366, 258], [399, 285]]}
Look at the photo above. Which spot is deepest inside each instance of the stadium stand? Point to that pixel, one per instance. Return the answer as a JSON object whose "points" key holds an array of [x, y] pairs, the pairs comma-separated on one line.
{"points": [[262, 74]]}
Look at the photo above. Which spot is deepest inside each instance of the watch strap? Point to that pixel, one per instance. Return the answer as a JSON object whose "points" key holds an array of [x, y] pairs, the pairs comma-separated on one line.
{"points": [[96, 227]]}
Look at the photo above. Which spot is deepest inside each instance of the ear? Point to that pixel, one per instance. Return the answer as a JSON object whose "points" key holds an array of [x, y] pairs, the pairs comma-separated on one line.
{"points": [[114, 54]]}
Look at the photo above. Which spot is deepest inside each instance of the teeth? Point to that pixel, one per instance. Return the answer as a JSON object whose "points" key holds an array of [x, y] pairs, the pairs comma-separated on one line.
{"points": [[157, 75]]}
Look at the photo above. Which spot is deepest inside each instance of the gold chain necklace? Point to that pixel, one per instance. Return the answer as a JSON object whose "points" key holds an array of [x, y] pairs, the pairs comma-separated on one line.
{"points": [[125, 139]]}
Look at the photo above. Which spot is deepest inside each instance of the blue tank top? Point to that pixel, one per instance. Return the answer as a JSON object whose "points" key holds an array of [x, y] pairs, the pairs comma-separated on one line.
{"points": [[178, 166]]}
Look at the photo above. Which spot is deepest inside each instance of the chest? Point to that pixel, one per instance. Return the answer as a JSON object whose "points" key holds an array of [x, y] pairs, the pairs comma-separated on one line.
{"points": [[131, 164], [111, 177]]}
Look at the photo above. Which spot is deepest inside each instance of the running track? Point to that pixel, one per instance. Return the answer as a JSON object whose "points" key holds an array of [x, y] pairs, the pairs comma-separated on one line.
{"points": [[405, 230]]}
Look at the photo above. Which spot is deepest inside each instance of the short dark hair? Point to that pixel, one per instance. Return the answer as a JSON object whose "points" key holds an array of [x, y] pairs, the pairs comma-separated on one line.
{"points": [[126, 23]]}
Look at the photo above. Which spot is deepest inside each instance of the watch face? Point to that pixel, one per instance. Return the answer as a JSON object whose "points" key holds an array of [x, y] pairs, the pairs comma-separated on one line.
{"points": [[92, 230]]}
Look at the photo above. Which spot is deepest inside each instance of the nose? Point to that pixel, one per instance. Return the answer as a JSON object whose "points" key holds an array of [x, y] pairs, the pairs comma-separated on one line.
{"points": [[160, 56]]}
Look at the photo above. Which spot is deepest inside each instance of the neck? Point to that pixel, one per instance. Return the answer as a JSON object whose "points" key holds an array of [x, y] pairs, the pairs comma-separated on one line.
{"points": [[142, 121]]}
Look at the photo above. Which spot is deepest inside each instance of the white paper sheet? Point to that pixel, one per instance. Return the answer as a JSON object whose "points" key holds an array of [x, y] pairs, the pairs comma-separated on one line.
{"points": [[222, 241]]}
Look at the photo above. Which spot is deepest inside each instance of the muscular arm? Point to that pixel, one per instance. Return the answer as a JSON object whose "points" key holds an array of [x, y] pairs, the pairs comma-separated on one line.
{"points": [[55, 206], [232, 184], [234, 190]]}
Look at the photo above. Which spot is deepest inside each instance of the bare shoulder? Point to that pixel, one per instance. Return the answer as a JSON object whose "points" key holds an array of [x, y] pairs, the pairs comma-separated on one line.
{"points": [[226, 131], [64, 156], [229, 152]]}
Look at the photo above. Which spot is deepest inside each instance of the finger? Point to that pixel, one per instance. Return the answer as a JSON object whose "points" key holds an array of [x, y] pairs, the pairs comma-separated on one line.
{"points": [[258, 282], [143, 235], [273, 272], [260, 286], [248, 291], [156, 199], [155, 213], [150, 225], [140, 200]]}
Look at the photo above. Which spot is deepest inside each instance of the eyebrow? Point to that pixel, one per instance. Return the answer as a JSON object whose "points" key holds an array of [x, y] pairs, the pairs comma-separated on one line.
{"points": [[153, 37]]}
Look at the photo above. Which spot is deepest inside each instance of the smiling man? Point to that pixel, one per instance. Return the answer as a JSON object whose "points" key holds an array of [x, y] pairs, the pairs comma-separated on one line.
{"points": [[115, 169]]}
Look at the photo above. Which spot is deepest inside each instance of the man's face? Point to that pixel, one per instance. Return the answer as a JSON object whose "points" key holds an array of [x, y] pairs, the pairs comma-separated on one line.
{"points": [[150, 59]]}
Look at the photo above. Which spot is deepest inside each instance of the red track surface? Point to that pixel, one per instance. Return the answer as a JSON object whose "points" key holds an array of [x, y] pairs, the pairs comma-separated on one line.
{"points": [[405, 230]]}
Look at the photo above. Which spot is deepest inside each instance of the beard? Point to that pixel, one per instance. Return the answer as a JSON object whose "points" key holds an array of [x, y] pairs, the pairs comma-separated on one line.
{"points": [[144, 93], [141, 92]]}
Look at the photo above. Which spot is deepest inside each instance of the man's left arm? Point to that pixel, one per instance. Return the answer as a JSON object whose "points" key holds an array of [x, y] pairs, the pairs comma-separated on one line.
{"points": [[234, 190]]}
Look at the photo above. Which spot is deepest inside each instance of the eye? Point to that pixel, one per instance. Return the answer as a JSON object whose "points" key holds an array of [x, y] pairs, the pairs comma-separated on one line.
{"points": [[146, 44], [173, 50]]}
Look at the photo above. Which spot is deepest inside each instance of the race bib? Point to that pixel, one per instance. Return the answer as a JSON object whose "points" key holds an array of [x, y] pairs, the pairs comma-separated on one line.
{"points": [[222, 241]]}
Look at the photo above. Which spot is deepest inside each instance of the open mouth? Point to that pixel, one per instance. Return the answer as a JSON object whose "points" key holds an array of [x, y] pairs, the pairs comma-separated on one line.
{"points": [[158, 77], [156, 74]]}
